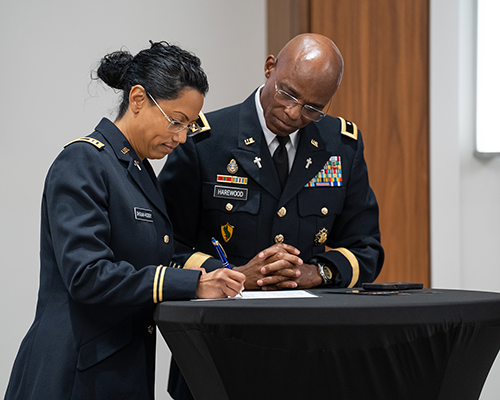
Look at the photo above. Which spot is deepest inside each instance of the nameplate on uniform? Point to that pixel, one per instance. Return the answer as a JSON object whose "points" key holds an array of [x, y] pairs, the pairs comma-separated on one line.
{"points": [[227, 192], [143, 214]]}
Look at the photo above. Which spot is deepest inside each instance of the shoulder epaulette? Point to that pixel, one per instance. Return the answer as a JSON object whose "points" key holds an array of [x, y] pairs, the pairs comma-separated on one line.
{"points": [[203, 122], [348, 128], [87, 139]]}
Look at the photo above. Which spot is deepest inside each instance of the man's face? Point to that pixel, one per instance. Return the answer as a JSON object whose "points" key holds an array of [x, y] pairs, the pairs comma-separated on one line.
{"points": [[303, 83]]}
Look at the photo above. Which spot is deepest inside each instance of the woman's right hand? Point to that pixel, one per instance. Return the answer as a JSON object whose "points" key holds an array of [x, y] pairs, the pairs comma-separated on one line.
{"points": [[220, 283]]}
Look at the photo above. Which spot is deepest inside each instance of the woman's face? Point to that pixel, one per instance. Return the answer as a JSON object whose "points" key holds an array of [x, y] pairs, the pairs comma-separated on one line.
{"points": [[153, 139]]}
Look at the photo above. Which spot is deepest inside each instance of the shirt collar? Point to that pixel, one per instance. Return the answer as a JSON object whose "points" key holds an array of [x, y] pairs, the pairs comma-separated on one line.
{"points": [[270, 136]]}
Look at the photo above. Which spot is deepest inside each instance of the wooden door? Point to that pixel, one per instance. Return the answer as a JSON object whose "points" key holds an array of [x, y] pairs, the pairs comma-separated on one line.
{"points": [[385, 91]]}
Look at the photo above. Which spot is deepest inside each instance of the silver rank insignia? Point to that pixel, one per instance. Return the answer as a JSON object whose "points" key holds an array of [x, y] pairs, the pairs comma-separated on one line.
{"points": [[232, 167], [321, 237]]}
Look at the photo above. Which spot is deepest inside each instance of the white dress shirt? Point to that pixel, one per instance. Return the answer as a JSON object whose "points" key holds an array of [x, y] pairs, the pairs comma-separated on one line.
{"points": [[271, 140]]}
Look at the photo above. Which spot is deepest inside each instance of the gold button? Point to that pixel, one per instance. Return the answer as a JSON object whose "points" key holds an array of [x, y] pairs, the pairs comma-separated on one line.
{"points": [[229, 206], [282, 212], [279, 238], [151, 329], [324, 211], [166, 238]]}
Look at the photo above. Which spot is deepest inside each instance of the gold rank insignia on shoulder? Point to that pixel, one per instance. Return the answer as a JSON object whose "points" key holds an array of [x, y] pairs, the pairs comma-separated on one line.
{"points": [[314, 143], [348, 128], [87, 139], [249, 141], [232, 167], [125, 150], [321, 237], [203, 123]]}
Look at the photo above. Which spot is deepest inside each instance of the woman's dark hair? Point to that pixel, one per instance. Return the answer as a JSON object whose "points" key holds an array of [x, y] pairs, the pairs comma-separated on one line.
{"points": [[164, 70]]}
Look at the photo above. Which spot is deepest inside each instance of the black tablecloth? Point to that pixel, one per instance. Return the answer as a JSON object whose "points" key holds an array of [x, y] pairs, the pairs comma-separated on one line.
{"points": [[428, 344]]}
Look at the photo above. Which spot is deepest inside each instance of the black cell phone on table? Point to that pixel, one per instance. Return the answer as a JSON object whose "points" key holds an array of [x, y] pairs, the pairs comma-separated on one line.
{"points": [[392, 286]]}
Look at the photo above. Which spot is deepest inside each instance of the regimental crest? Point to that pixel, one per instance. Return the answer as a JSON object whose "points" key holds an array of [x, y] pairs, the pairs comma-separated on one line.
{"points": [[321, 237], [227, 232], [232, 167]]}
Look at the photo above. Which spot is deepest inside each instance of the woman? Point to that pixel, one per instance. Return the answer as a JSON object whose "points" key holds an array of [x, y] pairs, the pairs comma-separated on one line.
{"points": [[106, 240]]}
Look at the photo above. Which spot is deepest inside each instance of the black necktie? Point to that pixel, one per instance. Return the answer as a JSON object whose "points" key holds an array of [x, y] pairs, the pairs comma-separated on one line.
{"points": [[280, 158]]}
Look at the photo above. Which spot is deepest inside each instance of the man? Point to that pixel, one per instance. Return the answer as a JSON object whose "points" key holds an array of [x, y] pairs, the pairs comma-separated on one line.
{"points": [[282, 186], [224, 183]]}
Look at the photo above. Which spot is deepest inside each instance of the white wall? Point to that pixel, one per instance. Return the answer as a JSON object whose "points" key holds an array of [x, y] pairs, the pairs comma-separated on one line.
{"points": [[465, 190], [47, 50]]}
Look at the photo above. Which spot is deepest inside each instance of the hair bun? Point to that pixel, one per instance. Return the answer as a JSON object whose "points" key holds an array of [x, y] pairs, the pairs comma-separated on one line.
{"points": [[112, 68]]}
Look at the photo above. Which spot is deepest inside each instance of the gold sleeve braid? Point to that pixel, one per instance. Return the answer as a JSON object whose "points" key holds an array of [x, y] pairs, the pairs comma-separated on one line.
{"points": [[352, 260], [158, 283], [197, 260], [159, 280]]}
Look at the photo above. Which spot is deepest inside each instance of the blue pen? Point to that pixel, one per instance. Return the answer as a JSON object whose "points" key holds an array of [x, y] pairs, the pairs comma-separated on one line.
{"points": [[222, 256], [220, 253]]}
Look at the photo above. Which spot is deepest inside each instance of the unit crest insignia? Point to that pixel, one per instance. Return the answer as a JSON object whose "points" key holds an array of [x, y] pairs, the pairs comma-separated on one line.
{"points": [[232, 167], [227, 232], [321, 237]]}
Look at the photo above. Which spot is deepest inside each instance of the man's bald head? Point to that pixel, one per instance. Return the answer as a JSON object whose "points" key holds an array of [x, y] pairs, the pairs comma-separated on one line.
{"points": [[314, 55], [308, 69]]}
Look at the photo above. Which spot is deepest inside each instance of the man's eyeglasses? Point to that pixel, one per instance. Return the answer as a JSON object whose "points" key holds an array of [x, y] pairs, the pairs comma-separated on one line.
{"points": [[289, 101], [175, 126]]}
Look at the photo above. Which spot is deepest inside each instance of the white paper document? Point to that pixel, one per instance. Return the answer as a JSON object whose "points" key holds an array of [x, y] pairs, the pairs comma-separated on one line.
{"points": [[268, 294]]}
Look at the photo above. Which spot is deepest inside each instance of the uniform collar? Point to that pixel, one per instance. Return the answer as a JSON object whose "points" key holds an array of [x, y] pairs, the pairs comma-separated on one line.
{"points": [[141, 172], [263, 172], [117, 140]]}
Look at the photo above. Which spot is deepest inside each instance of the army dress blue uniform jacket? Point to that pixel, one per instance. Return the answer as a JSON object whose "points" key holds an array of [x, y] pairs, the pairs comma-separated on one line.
{"points": [[105, 244], [223, 184]]}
